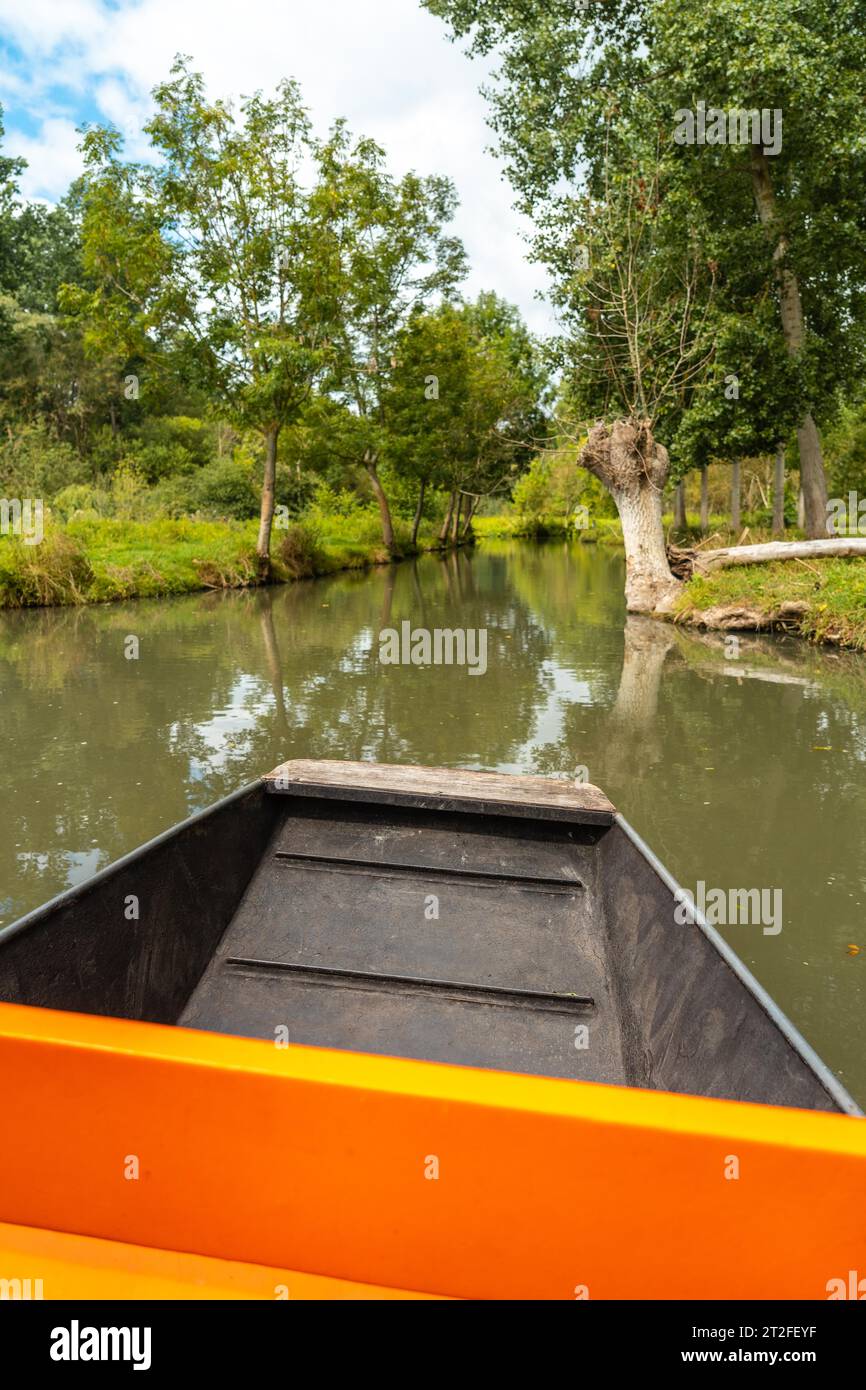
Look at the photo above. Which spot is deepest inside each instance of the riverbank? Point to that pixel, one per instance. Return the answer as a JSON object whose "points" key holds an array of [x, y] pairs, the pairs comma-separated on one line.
{"points": [[508, 527], [99, 560], [103, 561], [820, 600]]}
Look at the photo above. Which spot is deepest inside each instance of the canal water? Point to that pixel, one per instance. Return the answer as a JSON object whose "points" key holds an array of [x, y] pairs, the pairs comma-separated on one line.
{"points": [[742, 769]]}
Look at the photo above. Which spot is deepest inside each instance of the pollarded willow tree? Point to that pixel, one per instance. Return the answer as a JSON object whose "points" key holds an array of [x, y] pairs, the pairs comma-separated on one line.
{"points": [[783, 226], [635, 292], [631, 277]]}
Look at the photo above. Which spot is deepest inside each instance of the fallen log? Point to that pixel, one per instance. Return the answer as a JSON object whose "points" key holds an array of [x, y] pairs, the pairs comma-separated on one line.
{"points": [[685, 563], [705, 562]]}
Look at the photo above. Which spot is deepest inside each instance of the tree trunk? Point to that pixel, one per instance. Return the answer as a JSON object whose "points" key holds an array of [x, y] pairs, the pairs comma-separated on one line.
{"points": [[814, 481], [266, 516], [813, 478], [473, 507], [801, 510], [384, 509], [455, 520], [633, 467], [779, 493], [680, 522], [705, 500], [735, 495], [416, 522], [446, 525]]}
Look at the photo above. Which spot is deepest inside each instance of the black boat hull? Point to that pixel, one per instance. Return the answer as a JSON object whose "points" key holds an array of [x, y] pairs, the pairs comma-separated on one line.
{"points": [[504, 923]]}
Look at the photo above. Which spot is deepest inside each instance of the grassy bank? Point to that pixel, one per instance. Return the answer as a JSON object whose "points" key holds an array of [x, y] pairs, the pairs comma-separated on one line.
{"points": [[510, 526], [101, 560], [822, 600]]}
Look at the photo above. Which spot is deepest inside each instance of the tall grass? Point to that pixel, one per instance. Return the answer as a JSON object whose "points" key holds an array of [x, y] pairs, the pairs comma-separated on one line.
{"points": [[56, 571]]}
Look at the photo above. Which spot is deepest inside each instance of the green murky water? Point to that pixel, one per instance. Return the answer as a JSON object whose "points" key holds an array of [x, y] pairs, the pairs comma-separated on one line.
{"points": [[742, 772]]}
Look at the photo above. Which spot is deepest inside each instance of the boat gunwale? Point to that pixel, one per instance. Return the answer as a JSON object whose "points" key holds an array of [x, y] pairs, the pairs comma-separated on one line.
{"points": [[832, 1085], [70, 895]]}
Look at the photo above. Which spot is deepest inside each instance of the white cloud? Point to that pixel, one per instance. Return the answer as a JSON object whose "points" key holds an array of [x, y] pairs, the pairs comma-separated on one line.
{"points": [[386, 65], [52, 158], [39, 26]]}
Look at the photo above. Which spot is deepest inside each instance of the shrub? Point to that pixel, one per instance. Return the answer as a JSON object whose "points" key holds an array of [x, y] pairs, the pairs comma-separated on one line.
{"points": [[158, 461], [128, 486], [292, 491], [299, 553], [845, 452], [173, 498], [81, 499], [159, 448], [225, 489]]}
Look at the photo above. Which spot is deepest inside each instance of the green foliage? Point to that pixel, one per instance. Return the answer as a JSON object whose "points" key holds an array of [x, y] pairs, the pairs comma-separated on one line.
{"points": [[10, 172], [585, 108], [224, 489], [185, 433], [390, 256], [465, 401], [33, 463], [845, 449], [82, 501], [247, 300], [549, 494], [45, 252]]}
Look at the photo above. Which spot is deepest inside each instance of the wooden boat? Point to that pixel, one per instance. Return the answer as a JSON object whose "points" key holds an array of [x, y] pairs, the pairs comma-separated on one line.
{"points": [[514, 923], [376, 926]]}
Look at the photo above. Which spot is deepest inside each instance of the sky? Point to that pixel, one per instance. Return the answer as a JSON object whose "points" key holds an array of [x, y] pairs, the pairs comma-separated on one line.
{"points": [[386, 65]]}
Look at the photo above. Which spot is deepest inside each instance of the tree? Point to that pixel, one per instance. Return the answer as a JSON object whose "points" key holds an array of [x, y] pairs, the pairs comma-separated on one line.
{"points": [[388, 256], [48, 377], [758, 170], [789, 224], [50, 383], [464, 404], [507, 419], [631, 280], [790, 216], [425, 398], [45, 253], [792, 208], [211, 258], [10, 172], [635, 292]]}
